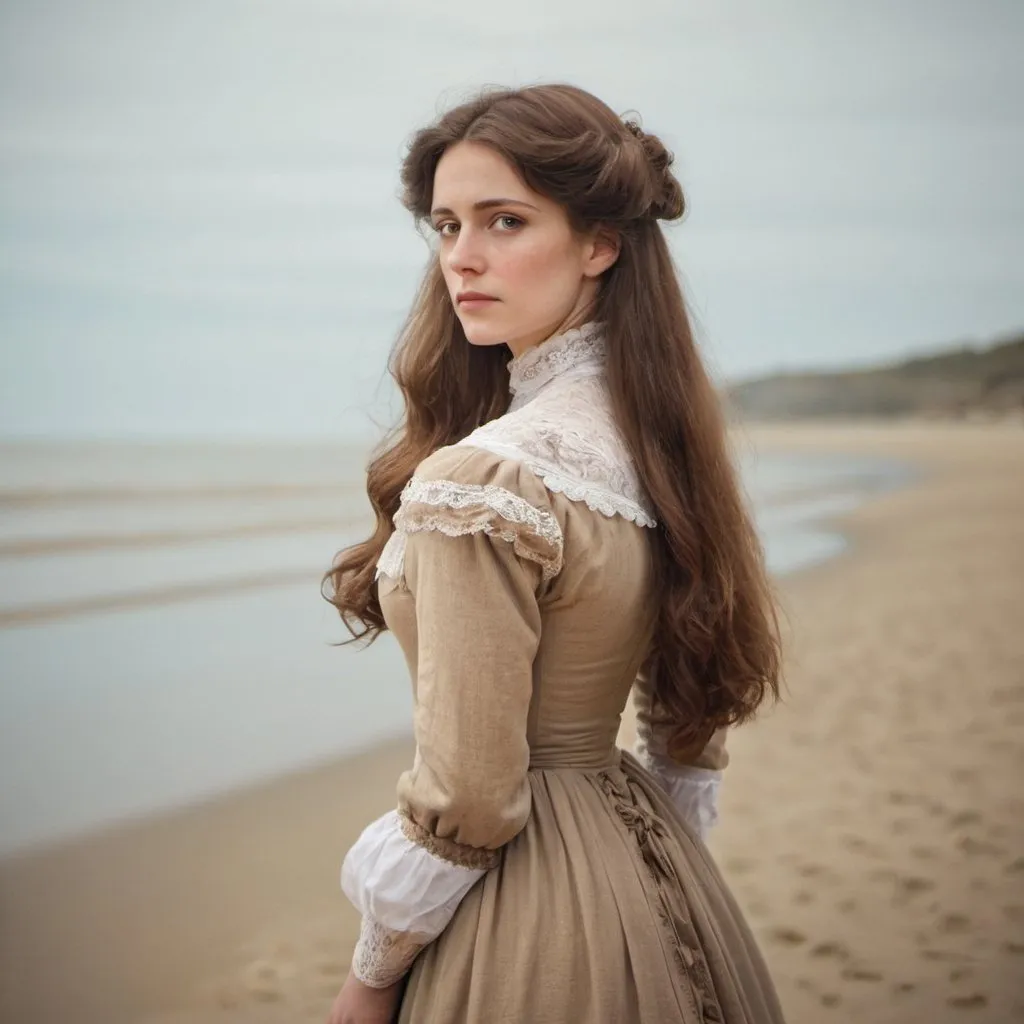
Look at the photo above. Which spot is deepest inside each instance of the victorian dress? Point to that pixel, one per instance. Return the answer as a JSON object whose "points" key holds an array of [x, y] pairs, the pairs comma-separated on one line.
{"points": [[532, 871]]}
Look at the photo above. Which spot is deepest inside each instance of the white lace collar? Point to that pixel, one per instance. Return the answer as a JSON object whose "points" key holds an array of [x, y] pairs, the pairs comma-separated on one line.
{"points": [[581, 348], [560, 425]]}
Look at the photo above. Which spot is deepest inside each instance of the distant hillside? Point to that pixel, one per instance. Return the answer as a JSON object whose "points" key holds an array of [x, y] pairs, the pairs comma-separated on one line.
{"points": [[960, 383]]}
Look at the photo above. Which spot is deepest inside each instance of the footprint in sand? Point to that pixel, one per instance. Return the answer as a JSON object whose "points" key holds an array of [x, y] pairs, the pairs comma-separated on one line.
{"points": [[955, 924], [830, 999], [900, 798], [861, 974], [1013, 948], [830, 950], [1014, 913], [961, 973], [786, 936], [802, 897], [979, 847], [912, 885], [810, 870], [903, 987], [973, 1001], [263, 981], [962, 818], [859, 845], [943, 955]]}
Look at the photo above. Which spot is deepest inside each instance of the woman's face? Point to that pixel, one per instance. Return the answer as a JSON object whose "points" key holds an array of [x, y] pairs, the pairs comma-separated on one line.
{"points": [[499, 238]]}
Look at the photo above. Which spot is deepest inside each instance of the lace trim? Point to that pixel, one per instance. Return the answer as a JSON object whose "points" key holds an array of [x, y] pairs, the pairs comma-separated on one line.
{"points": [[382, 956], [533, 369], [447, 849], [428, 505], [595, 496], [392, 557], [599, 500]]}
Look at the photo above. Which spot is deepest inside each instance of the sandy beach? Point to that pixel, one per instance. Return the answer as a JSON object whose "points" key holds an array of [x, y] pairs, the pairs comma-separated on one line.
{"points": [[872, 825]]}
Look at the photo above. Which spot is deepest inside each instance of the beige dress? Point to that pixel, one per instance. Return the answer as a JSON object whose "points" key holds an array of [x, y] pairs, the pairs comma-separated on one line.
{"points": [[532, 871]]}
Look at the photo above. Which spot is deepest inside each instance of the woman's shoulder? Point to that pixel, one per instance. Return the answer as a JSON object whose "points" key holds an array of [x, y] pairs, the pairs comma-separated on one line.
{"points": [[479, 472], [458, 491], [567, 442]]}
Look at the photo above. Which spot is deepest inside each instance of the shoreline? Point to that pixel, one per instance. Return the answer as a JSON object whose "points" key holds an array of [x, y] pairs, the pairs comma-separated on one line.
{"points": [[230, 910], [790, 496]]}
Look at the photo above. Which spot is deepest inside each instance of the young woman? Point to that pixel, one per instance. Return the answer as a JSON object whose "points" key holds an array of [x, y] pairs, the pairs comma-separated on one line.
{"points": [[554, 530]]}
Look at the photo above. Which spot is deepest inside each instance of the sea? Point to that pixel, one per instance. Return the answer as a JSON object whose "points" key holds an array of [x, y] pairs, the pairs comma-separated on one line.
{"points": [[163, 638]]}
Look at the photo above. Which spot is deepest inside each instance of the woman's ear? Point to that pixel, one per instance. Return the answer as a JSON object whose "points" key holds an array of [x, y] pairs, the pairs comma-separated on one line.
{"points": [[601, 252]]}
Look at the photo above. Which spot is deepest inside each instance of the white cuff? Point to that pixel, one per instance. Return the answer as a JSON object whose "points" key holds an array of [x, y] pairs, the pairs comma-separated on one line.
{"points": [[383, 957], [402, 886], [694, 791]]}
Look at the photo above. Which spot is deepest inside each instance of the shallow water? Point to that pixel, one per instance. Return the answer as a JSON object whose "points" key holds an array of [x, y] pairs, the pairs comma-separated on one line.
{"points": [[162, 637]]}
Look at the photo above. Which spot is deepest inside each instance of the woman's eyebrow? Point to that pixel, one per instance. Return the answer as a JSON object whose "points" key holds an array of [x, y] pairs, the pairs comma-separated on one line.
{"points": [[484, 204]]}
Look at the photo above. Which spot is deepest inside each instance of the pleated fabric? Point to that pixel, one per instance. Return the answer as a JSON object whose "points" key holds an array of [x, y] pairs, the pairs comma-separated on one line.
{"points": [[605, 908]]}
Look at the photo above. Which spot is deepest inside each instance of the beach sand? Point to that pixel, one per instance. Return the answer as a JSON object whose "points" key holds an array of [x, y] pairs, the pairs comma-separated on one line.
{"points": [[872, 825]]}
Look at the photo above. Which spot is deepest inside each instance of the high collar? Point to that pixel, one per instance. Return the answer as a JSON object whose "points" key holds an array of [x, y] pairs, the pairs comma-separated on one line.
{"points": [[579, 349]]}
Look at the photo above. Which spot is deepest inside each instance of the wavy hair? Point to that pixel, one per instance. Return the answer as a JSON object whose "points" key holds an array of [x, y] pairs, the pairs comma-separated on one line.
{"points": [[716, 653]]}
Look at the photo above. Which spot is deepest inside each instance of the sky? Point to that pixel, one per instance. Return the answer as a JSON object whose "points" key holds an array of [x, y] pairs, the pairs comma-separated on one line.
{"points": [[200, 235]]}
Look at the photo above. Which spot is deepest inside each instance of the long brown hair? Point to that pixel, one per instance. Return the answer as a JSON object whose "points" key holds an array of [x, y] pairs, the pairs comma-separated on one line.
{"points": [[716, 654]]}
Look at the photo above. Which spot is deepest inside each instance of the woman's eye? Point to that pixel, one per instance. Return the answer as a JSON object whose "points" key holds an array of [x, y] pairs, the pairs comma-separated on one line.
{"points": [[442, 229], [508, 221]]}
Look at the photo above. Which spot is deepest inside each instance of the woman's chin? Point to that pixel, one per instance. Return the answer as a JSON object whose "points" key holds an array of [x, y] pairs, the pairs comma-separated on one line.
{"points": [[482, 334]]}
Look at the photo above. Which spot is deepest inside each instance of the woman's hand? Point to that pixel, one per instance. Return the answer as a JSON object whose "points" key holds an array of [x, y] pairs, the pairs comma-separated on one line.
{"points": [[361, 1004]]}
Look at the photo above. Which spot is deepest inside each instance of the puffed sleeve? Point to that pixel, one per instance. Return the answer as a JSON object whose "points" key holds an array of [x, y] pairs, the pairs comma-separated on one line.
{"points": [[478, 544], [691, 783]]}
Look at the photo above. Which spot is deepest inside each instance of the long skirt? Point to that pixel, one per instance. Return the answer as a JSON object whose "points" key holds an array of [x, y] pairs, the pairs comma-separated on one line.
{"points": [[605, 908]]}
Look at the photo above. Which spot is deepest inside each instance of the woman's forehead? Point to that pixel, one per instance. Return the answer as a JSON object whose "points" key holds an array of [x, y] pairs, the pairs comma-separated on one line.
{"points": [[469, 172]]}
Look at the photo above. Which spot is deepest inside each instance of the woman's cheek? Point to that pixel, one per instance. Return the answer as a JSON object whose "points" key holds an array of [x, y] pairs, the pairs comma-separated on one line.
{"points": [[529, 262]]}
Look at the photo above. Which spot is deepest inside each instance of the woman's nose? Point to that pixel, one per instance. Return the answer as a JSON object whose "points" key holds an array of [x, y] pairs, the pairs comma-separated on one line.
{"points": [[466, 252]]}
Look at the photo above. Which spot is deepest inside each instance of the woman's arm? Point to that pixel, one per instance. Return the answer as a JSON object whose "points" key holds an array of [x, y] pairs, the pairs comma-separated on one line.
{"points": [[477, 555], [693, 784]]}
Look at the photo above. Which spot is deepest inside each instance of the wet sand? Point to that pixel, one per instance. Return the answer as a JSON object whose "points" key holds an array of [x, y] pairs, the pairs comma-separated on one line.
{"points": [[872, 826]]}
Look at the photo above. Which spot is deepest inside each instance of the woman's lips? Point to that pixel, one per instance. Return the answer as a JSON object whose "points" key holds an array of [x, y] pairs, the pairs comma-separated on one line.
{"points": [[475, 303]]}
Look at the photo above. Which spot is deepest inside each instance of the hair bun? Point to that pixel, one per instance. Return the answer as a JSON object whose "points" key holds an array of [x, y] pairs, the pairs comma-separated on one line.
{"points": [[667, 202]]}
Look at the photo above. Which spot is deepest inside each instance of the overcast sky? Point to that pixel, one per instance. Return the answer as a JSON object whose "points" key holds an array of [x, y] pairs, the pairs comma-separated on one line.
{"points": [[199, 232]]}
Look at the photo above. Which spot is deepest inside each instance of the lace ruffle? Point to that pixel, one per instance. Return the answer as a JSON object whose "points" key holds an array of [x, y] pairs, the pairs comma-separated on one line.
{"points": [[566, 435], [392, 556], [560, 427], [457, 510], [608, 503], [537, 366], [382, 956]]}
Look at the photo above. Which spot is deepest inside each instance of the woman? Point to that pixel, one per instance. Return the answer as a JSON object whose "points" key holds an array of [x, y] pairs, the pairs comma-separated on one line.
{"points": [[552, 532]]}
